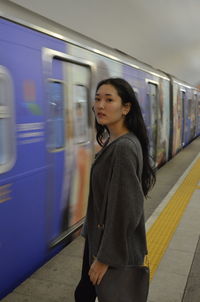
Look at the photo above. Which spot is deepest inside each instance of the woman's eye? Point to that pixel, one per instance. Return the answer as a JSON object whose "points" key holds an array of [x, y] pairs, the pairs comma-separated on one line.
{"points": [[97, 99], [109, 100]]}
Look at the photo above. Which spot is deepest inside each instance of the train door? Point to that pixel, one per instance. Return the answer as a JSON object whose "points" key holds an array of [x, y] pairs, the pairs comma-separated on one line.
{"points": [[153, 117], [69, 142], [183, 100]]}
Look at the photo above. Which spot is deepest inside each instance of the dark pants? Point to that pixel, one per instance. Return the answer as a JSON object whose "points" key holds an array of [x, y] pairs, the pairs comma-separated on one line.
{"points": [[85, 291]]}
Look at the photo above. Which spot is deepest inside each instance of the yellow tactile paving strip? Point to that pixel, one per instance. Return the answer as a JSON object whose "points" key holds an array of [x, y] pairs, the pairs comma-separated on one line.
{"points": [[162, 230]]}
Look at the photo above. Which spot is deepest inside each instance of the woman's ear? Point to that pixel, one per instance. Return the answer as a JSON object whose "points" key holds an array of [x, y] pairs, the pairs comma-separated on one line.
{"points": [[127, 108]]}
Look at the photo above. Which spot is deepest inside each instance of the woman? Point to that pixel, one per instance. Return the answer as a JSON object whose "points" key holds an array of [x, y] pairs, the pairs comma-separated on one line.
{"points": [[121, 176]]}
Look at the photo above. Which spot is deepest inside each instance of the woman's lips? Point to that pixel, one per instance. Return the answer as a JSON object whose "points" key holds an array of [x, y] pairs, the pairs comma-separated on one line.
{"points": [[101, 115]]}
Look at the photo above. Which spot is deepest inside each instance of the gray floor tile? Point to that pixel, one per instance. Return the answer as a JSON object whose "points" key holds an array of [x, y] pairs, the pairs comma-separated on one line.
{"points": [[45, 289], [184, 240], [167, 287], [176, 262], [64, 270]]}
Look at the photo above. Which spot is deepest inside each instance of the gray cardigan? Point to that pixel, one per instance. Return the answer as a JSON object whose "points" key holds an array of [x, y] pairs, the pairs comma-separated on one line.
{"points": [[116, 178]]}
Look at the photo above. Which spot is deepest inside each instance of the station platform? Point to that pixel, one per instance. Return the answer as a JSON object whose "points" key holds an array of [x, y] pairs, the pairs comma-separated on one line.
{"points": [[173, 231]]}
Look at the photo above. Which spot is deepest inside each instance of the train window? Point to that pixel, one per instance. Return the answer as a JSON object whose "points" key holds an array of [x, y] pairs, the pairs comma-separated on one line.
{"points": [[181, 115], [56, 115], [7, 122], [193, 113], [192, 117], [153, 116], [81, 116], [195, 100]]}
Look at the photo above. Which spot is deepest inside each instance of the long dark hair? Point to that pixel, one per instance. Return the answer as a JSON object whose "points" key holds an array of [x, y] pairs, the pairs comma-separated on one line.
{"points": [[135, 123]]}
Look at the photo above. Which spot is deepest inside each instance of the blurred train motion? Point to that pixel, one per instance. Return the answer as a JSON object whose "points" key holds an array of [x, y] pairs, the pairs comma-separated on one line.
{"points": [[47, 83]]}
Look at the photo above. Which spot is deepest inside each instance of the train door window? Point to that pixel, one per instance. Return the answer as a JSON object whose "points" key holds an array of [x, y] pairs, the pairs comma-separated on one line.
{"points": [[77, 78], [153, 100], [55, 115], [7, 122], [78, 146], [81, 114], [182, 113]]}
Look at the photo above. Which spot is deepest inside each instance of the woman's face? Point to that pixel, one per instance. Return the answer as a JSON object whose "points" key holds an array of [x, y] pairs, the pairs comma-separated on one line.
{"points": [[108, 106]]}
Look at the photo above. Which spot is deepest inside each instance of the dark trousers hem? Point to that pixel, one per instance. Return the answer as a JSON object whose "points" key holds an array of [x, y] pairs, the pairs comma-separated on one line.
{"points": [[85, 290]]}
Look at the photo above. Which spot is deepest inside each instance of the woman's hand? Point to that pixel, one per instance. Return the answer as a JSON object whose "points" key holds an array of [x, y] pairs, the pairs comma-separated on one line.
{"points": [[97, 271]]}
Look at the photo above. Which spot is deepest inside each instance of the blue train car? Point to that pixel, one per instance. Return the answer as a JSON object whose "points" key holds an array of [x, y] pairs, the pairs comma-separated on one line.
{"points": [[24, 166]]}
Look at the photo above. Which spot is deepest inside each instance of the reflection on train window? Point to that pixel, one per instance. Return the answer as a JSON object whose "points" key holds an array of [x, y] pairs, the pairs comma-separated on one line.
{"points": [[56, 115], [7, 120], [80, 104]]}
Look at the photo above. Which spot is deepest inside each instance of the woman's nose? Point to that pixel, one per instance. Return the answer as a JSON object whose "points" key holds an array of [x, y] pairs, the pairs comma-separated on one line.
{"points": [[101, 104]]}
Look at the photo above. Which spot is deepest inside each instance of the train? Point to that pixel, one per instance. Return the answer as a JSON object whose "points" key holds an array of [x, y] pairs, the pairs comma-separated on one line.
{"points": [[48, 76]]}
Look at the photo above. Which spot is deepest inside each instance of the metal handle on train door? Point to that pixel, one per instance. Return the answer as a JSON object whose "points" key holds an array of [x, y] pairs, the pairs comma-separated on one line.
{"points": [[83, 143]]}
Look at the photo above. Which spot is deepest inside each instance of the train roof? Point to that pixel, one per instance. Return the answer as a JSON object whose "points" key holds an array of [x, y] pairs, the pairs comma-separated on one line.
{"points": [[183, 83]]}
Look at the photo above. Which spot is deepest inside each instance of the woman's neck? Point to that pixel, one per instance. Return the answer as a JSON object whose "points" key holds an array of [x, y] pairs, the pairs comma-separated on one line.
{"points": [[115, 134]]}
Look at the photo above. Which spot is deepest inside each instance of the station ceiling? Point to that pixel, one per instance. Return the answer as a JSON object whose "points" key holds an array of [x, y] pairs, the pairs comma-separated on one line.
{"points": [[164, 34]]}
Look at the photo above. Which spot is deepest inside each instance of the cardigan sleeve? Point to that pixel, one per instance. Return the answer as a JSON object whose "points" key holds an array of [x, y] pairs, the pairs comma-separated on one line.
{"points": [[124, 206]]}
